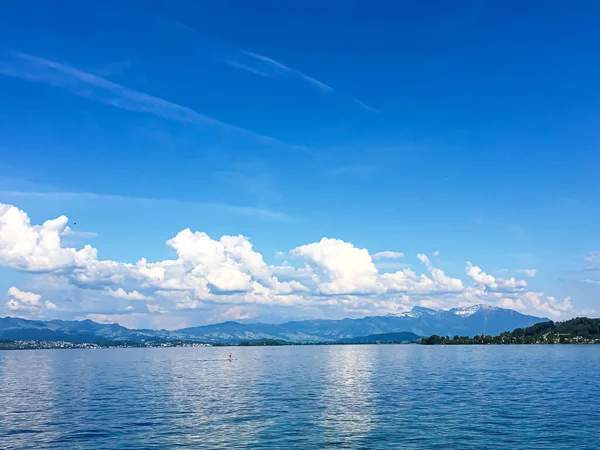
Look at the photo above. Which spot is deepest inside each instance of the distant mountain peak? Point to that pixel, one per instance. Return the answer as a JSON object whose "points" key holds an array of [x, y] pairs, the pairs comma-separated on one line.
{"points": [[470, 310], [421, 311], [425, 310], [417, 311]]}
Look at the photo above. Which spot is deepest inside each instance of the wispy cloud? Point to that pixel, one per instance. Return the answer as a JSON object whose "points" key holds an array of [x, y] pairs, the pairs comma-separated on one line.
{"points": [[247, 68], [593, 256], [319, 84], [244, 210], [281, 68], [244, 60], [528, 272], [364, 105], [388, 255], [98, 89], [69, 232]]}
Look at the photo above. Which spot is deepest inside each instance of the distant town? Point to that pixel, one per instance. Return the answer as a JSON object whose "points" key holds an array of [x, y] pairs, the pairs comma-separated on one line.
{"points": [[36, 345]]}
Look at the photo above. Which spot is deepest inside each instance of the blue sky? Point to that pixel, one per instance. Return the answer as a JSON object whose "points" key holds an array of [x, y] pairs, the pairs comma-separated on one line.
{"points": [[465, 132]]}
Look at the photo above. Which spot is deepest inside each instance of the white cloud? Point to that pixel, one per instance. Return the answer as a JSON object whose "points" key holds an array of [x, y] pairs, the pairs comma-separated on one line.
{"points": [[339, 267], [141, 320], [68, 231], [50, 305], [491, 282], [319, 84], [407, 281], [121, 293], [388, 255], [27, 304], [246, 68], [228, 271], [37, 248], [235, 313], [593, 256], [268, 67], [528, 272], [479, 275], [26, 298], [188, 303], [511, 303], [547, 304], [152, 308], [442, 281], [423, 258]]}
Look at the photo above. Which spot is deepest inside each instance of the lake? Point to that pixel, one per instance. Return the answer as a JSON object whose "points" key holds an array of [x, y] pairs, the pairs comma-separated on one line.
{"points": [[362, 396]]}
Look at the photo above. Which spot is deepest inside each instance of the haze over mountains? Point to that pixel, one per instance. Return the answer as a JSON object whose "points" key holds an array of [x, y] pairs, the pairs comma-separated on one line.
{"points": [[420, 321]]}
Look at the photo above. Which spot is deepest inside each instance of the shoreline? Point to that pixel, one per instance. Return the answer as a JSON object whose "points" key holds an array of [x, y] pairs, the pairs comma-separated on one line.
{"points": [[19, 345]]}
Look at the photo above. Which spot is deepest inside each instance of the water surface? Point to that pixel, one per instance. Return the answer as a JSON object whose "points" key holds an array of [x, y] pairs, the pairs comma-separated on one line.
{"points": [[363, 396]]}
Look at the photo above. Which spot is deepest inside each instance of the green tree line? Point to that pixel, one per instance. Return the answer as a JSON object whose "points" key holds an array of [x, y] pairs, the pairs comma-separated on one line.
{"points": [[581, 330]]}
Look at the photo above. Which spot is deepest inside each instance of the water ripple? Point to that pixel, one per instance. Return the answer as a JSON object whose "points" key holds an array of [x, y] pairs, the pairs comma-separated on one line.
{"points": [[376, 397]]}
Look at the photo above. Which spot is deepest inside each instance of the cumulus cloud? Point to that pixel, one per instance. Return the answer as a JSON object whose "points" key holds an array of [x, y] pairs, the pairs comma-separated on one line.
{"points": [[491, 282], [235, 313], [443, 281], [207, 272], [27, 304], [547, 304], [37, 248], [122, 293], [339, 267], [511, 303]]}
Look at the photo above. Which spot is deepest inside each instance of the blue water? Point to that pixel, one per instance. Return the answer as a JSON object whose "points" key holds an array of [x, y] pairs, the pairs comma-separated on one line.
{"points": [[377, 396]]}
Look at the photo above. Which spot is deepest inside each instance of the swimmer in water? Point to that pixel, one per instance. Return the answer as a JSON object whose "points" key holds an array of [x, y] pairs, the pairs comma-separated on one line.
{"points": [[230, 356]]}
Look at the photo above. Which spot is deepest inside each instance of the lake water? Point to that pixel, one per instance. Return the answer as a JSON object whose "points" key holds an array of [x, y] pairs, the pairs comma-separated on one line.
{"points": [[377, 396]]}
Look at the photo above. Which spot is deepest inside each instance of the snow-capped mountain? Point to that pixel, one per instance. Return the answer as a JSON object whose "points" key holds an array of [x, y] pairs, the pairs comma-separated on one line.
{"points": [[422, 321], [416, 312], [470, 310]]}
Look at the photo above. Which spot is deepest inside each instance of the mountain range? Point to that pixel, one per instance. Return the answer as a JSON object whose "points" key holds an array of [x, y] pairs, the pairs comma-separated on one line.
{"points": [[419, 321], [422, 321]]}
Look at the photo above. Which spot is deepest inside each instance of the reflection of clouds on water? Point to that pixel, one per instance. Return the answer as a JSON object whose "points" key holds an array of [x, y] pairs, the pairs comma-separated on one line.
{"points": [[27, 396], [348, 397], [213, 401]]}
